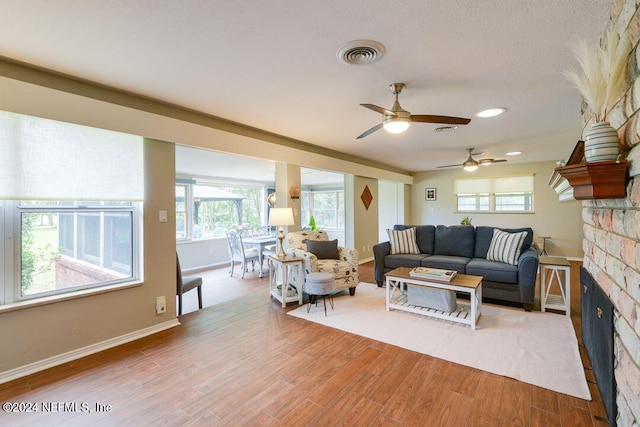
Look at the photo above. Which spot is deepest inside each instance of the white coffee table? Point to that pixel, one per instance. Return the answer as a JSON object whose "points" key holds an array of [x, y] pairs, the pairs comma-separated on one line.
{"points": [[397, 281]]}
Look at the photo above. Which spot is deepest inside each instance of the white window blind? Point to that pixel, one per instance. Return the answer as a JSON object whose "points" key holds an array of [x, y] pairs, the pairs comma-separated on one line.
{"points": [[507, 184], [43, 159], [472, 186], [513, 184]]}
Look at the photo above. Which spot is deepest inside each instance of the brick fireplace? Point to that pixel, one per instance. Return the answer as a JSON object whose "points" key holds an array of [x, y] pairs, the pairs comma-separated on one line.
{"points": [[612, 234]]}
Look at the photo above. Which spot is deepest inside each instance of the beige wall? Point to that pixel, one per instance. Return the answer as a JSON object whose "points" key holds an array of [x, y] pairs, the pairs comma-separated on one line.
{"points": [[560, 221], [34, 334], [365, 220]]}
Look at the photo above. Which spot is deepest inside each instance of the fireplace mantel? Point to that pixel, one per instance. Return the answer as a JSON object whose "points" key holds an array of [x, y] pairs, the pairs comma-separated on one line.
{"points": [[601, 180]]}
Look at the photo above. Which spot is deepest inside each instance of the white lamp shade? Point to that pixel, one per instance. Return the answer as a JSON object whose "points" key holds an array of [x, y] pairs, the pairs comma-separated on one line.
{"points": [[281, 216]]}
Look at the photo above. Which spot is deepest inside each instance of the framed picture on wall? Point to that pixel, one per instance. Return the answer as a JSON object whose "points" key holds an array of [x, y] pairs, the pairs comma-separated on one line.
{"points": [[430, 194]]}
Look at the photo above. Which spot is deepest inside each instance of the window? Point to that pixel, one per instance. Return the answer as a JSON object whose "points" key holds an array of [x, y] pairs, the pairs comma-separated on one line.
{"points": [[206, 210], [70, 196], [473, 202], [497, 194], [327, 208], [181, 212], [521, 201], [68, 246]]}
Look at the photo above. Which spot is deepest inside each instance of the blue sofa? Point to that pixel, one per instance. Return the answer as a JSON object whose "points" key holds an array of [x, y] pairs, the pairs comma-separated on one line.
{"points": [[464, 248]]}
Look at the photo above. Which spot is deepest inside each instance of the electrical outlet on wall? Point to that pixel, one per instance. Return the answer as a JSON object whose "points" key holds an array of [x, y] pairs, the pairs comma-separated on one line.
{"points": [[161, 305]]}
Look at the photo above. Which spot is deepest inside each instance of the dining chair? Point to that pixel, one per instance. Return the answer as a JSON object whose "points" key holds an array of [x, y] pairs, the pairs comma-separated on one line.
{"points": [[238, 253], [185, 284]]}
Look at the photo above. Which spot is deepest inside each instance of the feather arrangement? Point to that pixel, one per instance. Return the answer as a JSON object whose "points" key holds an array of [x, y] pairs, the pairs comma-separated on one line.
{"points": [[602, 79]]}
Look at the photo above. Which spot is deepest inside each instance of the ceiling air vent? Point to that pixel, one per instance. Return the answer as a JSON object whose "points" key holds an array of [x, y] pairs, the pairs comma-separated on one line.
{"points": [[360, 52], [445, 128]]}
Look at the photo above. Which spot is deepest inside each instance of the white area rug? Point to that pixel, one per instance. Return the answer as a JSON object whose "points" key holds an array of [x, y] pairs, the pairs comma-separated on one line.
{"points": [[536, 348]]}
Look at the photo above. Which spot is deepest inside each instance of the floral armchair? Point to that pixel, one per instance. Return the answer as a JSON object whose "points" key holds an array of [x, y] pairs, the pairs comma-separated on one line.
{"points": [[345, 268]]}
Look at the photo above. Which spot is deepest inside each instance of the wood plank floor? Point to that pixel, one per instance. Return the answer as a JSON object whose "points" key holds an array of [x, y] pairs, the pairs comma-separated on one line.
{"points": [[243, 361]]}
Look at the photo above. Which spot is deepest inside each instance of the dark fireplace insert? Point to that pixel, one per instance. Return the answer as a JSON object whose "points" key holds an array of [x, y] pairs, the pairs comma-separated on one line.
{"points": [[597, 337]]}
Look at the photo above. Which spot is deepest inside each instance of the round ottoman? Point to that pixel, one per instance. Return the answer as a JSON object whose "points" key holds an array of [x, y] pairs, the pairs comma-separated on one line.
{"points": [[320, 285]]}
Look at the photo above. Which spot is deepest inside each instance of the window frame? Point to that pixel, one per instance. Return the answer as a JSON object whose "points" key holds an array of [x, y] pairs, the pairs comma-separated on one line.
{"points": [[338, 196], [529, 196], [190, 199], [13, 291]]}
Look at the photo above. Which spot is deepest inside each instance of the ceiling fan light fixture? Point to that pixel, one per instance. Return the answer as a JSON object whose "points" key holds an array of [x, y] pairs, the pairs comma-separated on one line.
{"points": [[470, 164], [396, 124], [491, 112], [470, 167]]}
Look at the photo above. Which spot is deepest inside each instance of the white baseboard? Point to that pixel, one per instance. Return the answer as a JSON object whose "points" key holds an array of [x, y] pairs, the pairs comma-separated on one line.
{"points": [[59, 359], [362, 261]]}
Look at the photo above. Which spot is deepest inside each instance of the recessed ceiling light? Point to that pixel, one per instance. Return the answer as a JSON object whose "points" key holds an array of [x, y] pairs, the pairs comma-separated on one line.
{"points": [[445, 128], [491, 112], [513, 153]]}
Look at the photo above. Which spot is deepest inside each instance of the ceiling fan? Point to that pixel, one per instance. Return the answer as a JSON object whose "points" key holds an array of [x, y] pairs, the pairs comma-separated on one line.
{"points": [[397, 119], [472, 164]]}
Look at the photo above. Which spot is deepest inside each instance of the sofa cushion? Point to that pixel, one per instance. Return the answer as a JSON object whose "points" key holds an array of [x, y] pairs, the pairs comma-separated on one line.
{"points": [[484, 235], [403, 260], [403, 241], [323, 249], [425, 236], [493, 271], [446, 262], [505, 247], [456, 240]]}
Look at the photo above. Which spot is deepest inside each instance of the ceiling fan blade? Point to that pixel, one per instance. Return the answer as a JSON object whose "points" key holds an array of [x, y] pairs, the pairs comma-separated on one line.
{"points": [[379, 109], [370, 131], [491, 161], [447, 120], [450, 166]]}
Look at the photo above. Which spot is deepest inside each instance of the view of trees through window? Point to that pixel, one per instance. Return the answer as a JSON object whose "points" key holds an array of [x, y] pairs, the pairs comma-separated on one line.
{"points": [[208, 210], [39, 252], [327, 208]]}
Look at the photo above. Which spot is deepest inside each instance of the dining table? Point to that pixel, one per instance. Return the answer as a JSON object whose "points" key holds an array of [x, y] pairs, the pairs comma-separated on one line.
{"points": [[260, 243]]}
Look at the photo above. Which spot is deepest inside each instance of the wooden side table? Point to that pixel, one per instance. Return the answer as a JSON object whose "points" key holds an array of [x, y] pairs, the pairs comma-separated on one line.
{"points": [[556, 270], [281, 270]]}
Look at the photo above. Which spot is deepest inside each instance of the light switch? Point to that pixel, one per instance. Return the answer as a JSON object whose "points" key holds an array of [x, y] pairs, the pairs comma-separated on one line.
{"points": [[162, 216]]}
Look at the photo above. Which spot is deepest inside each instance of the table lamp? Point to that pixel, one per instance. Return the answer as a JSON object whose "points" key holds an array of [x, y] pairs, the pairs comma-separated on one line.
{"points": [[281, 217]]}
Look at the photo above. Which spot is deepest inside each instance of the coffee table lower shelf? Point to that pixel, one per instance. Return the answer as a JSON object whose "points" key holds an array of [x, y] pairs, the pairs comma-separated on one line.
{"points": [[461, 314], [465, 313]]}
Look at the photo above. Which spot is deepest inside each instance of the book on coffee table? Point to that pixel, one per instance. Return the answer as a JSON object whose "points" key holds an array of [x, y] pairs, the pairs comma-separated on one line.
{"points": [[433, 273]]}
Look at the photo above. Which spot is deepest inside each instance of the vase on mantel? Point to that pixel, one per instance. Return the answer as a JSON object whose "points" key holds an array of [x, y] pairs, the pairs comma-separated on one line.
{"points": [[601, 143]]}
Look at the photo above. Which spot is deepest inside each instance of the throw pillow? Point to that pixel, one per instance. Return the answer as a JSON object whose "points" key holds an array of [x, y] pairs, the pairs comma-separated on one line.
{"points": [[403, 241], [323, 249], [505, 247]]}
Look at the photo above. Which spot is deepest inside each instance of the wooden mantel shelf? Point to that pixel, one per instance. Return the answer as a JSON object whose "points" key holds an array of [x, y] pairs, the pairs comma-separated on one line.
{"points": [[600, 180]]}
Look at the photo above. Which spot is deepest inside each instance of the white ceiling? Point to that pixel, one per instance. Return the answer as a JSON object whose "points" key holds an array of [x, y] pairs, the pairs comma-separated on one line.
{"points": [[272, 65]]}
